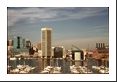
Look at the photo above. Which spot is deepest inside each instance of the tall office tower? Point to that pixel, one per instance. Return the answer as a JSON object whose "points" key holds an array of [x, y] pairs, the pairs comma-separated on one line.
{"points": [[17, 42], [46, 42]]}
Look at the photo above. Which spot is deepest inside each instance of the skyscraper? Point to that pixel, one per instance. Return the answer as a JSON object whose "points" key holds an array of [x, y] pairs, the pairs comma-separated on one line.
{"points": [[17, 42], [46, 42], [28, 44]]}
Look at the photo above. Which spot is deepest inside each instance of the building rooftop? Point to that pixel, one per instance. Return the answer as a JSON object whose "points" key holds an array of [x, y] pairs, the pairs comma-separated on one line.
{"points": [[46, 28]]}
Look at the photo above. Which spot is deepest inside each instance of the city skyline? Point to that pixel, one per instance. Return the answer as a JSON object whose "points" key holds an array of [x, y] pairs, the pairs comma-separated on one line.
{"points": [[80, 26], [71, 28]]}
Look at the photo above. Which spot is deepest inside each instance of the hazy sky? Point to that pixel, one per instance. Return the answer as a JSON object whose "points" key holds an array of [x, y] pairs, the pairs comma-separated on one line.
{"points": [[80, 26]]}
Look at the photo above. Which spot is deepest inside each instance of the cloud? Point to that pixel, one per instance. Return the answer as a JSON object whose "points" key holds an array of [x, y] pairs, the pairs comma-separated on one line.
{"points": [[34, 14], [99, 28]]}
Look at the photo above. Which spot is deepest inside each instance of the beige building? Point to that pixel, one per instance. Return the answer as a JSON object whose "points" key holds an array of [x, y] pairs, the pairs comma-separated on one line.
{"points": [[46, 42]]}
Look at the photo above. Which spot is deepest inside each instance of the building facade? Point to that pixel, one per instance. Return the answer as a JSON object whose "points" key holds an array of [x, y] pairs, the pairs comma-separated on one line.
{"points": [[17, 42], [28, 44], [77, 57], [58, 52], [46, 42]]}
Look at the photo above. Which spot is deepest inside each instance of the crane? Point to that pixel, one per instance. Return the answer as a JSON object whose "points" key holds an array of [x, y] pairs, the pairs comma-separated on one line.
{"points": [[73, 46]]}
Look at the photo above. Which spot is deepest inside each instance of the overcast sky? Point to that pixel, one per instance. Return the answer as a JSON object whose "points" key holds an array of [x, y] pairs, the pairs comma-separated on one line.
{"points": [[80, 26]]}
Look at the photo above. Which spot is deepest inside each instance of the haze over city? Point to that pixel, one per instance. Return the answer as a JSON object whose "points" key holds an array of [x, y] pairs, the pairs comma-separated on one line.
{"points": [[80, 26]]}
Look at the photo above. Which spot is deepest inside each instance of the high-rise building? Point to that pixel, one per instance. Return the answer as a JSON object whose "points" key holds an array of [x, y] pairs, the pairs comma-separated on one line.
{"points": [[28, 44], [77, 56], [17, 42], [46, 42], [58, 52]]}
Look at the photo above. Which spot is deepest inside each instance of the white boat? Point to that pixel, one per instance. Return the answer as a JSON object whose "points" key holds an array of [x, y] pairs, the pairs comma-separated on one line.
{"points": [[13, 58], [15, 70], [49, 67], [25, 68], [45, 71], [102, 71], [19, 58], [18, 55], [9, 66], [56, 72], [23, 72], [74, 71], [32, 68], [20, 66], [57, 68]]}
